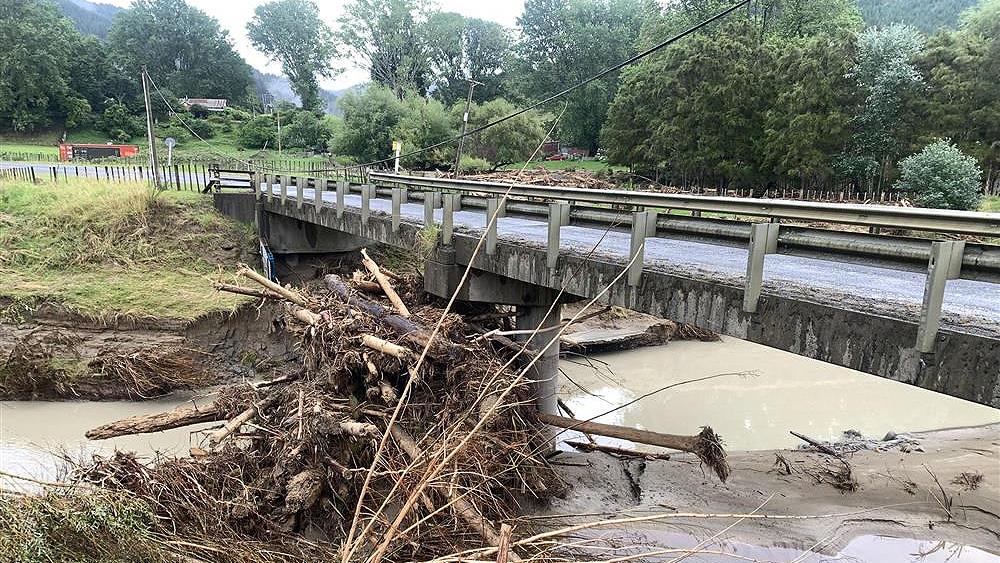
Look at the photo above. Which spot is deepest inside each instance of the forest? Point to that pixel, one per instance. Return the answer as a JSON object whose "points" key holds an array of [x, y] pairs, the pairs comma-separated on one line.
{"points": [[789, 93]]}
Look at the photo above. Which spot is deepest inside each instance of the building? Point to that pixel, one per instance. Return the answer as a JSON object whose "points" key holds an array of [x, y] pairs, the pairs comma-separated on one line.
{"points": [[210, 104], [90, 152]]}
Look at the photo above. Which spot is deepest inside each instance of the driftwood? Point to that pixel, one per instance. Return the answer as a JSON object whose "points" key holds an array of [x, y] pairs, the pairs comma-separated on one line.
{"points": [[706, 445], [589, 447], [385, 283], [286, 293], [816, 444], [384, 346], [465, 510], [262, 293], [307, 317], [409, 331], [240, 419], [176, 418]]}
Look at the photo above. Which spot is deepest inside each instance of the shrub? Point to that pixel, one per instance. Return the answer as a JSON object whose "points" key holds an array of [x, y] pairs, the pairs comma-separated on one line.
{"points": [[941, 176], [473, 164], [119, 123], [257, 133], [202, 127], [307, 131]]}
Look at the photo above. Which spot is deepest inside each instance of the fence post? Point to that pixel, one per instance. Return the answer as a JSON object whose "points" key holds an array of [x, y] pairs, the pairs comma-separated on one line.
{"points": [[763, 241], [945, 264]]}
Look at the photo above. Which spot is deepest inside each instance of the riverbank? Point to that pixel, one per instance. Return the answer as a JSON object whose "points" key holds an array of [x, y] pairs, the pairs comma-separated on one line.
{"points": [[106, 292]]}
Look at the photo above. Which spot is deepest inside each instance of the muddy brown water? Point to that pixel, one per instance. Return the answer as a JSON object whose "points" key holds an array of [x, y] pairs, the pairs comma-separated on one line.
{"points": [[777, 392]]}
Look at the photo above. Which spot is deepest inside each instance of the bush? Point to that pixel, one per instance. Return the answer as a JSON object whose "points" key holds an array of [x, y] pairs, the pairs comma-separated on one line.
{"points": [[307, 131], [201, 127], [473, 164], [941, 176], [119, 123], [258, 133]]}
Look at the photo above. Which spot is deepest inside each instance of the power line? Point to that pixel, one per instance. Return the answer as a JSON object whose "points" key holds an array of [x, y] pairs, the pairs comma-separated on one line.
{"points": [[557, 95], [598, 76]]}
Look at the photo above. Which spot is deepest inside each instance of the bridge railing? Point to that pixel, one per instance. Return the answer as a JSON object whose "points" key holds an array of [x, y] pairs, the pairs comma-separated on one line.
{"points": [[944, 259]]}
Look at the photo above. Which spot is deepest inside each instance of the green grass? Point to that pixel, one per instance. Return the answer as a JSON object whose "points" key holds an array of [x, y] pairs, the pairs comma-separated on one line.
{"points": [[566, 164], [109, 251], [990, 203]]}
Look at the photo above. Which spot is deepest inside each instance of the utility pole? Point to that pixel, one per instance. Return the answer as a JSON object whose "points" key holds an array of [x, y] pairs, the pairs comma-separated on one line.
{"points": [[279, 132], [465, 123], [154, 163]]}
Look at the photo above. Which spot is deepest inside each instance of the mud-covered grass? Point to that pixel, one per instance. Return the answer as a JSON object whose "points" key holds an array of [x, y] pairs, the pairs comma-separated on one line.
{"points": [[114, 251], [84, 526]]}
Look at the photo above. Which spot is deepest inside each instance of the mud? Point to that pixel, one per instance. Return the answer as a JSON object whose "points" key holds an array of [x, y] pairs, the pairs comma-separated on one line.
{"points": [[906, 495], [51, 354]]}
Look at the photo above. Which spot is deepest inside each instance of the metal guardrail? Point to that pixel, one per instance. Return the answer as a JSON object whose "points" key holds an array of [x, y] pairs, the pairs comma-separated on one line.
{"points": [[884, 216], [945, 260]]}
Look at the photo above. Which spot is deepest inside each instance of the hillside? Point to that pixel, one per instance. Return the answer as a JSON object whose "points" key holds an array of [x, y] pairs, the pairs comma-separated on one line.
{"points": [[279, 87], [927, 16], [89, 17]]}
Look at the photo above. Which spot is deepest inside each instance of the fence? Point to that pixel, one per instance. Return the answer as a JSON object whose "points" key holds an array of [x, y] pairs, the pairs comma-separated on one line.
{"points": [[182, 176], [301, 165]]}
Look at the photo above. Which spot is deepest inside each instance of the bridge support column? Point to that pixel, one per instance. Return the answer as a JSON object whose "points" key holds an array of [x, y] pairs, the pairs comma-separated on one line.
{"points": [[450, 203], [492, 208], [544, 375]]}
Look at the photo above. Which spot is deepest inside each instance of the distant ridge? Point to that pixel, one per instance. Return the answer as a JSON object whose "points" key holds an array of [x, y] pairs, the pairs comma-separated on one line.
{"points": [[89, 17]]}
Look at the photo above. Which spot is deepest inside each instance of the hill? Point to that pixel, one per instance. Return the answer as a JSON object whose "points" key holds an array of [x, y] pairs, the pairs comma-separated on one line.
{"points": [[927, 16], [89, 17]]}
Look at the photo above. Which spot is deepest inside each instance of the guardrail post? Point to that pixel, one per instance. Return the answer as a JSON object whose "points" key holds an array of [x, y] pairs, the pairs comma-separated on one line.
{"points": [[367, 191], [945, 264], [432, 200], [300, 188], [763, 241], [342, 187], [449, 204], [318, 188], [558, 216], [640, 230], [492, 208], [399, 196], [283, 182]]}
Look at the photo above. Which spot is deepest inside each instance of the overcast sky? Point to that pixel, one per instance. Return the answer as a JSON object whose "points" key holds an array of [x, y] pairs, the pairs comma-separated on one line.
{"points": [[233, 16]]}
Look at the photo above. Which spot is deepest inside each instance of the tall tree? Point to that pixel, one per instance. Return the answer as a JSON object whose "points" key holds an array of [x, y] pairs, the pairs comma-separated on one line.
{"points": [[388, 37], [962, 98], [183, 48], [884, 73], [460, 48], [291, 32], [39, 45], [565, 41]]}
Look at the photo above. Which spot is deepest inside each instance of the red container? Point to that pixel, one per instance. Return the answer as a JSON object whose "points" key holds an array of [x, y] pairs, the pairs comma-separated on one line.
{"points": [[90, 152]]}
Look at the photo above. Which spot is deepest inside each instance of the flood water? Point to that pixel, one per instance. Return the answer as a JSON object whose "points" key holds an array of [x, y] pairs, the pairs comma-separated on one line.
{"points": [[34, 434], [753, 412]]}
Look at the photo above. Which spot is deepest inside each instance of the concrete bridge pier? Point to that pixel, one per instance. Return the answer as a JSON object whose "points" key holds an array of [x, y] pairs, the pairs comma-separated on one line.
{"points": [[544, 373]]}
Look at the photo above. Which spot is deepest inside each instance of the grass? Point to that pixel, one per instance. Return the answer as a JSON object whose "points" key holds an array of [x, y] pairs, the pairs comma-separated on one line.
{"points": [[991, 204], [79, 526], [108, 251]]}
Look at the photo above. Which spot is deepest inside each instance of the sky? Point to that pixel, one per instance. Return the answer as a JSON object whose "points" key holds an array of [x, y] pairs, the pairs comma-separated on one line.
{"points": [[233, 17]]}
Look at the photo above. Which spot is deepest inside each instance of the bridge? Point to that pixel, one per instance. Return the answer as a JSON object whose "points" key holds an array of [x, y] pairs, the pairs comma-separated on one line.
{"points": [[924, 311]]}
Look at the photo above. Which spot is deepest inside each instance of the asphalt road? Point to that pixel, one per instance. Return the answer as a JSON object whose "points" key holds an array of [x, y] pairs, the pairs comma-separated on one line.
{"points": [[966, 302]]}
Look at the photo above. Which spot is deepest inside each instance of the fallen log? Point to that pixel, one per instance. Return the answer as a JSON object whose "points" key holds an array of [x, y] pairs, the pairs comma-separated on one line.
{"points": [[176, 418], [262, 293], [384, 346], [409, 331], [241, 419], [385, 283], [465, 510], [706, 445], [591, 447], [286, 293]]}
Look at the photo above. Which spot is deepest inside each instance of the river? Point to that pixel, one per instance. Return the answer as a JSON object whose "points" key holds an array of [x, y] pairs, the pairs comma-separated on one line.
{"points": [[777, 392]]}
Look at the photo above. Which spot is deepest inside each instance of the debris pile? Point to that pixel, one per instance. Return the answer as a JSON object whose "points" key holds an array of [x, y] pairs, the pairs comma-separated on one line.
{"points": [[402, 438]]}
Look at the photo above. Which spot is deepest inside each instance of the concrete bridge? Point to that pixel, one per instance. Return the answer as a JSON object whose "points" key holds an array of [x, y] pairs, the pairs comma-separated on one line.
{"points": [[920, 311]]}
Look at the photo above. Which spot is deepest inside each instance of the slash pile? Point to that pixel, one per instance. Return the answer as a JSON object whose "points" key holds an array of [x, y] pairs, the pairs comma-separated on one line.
{"points": [[281, 480]]}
